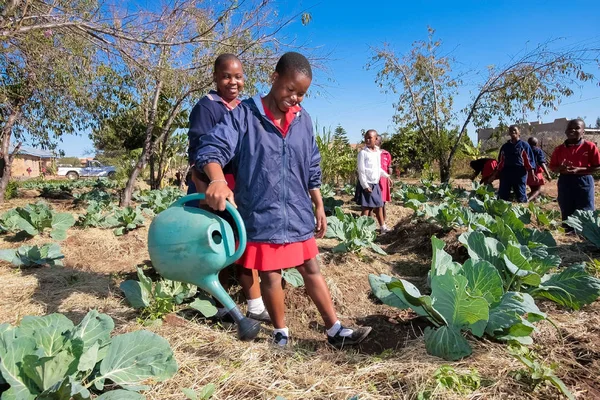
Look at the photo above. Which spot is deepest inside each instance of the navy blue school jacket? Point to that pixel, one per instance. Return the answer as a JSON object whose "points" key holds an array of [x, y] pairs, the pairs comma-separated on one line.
{"points": [[517, 154], [207, 112], [273, 174]]}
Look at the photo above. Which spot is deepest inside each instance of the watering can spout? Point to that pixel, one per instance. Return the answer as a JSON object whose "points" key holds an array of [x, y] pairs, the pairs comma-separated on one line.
{"points": [[193, 245]]}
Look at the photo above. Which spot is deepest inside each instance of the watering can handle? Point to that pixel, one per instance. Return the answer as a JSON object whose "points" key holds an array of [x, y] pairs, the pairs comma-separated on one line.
{"points": [[236, 217]]}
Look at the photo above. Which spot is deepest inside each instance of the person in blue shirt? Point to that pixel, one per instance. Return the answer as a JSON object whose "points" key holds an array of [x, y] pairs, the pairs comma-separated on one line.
{"points": [[228, 76], [515, 163], [540, 168], [271, 144]]}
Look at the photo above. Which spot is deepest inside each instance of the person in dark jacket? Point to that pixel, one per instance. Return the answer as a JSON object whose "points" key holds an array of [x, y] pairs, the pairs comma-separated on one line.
{"points": [[576, 159], [540, 168], [271, 143], [515, 162], [228, 76]]}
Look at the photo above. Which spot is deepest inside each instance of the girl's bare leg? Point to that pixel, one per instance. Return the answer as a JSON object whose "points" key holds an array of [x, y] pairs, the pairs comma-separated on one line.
{"points": [[318, 291]]}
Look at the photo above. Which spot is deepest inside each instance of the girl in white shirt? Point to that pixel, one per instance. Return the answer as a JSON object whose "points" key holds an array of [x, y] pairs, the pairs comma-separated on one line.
{"points": [[368, 191]]}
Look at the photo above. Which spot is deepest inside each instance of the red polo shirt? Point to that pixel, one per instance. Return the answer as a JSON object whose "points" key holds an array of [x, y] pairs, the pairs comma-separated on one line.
{"points": [[284, 125], [581, 154]]}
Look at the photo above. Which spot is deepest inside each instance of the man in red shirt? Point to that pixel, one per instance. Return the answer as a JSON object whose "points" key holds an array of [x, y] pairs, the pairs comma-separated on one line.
{"points": [[576, 159]]}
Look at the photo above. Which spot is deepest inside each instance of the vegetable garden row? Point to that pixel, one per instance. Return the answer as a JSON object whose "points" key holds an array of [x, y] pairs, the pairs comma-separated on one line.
{"points": [[512, 262]]}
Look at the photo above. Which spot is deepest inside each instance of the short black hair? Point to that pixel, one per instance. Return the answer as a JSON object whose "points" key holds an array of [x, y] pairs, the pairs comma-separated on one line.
{"points": [[224, 58], [293, 62], [532, 141], [577, 120]]}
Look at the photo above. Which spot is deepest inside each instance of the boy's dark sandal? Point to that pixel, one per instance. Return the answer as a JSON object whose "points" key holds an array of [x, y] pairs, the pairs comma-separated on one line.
{"points": [[262, 317], [357, 336]]}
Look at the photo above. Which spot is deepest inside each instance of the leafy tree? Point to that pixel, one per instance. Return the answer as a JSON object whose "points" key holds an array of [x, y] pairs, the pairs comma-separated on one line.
{"points": [[339, 135], [597, 123], [407, 148], [533, 81], [174, 63], [45, 80]]}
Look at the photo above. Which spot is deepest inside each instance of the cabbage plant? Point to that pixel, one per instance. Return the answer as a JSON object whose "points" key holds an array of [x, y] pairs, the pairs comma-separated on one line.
{"points": [[49, 357]]}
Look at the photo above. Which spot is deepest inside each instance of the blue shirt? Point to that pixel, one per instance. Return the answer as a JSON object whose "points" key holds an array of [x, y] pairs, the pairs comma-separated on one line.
{"points": [[539, 156], [516, 154], [273, 173]]}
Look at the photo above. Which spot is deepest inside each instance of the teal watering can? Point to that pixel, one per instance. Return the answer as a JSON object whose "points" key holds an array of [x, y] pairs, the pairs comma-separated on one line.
{"points": [[193, 245]]}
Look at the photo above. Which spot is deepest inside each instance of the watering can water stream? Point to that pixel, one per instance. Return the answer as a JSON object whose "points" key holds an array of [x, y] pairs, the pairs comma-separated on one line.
{"points": [[192, 245]]}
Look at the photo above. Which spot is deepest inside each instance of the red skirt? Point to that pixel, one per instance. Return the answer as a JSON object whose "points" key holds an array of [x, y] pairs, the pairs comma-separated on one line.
{"points": [[271, 257], [538, 172], [384, 184]]}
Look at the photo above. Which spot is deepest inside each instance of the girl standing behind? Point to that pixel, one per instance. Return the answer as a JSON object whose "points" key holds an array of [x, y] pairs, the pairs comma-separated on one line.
{"points": [[276, 164], [368, 192], [228, 76]]}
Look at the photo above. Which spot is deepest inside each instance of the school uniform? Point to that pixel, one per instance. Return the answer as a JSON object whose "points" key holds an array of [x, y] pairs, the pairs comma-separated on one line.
{"points": [[207, 112], [484, 166], [575, 191], [369, 174], [540, 158], [274, 166], [515, 162], [384, 182]]}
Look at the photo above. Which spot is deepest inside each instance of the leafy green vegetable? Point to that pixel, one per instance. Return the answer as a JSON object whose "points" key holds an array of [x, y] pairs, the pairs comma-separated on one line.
{"points": [[537, 371], [156, 201], [50, 358], [355, 233], [293, 277], [156, 299], [126, 219], [586, 223], [34, 219], [34, 256], [572, 287]]}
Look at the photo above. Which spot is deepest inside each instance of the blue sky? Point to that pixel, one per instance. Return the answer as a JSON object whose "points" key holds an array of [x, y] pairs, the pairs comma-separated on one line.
{"points": [[476, 34]]}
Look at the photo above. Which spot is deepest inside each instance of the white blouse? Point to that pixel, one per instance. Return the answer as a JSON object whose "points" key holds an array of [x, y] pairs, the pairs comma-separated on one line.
{"points": [[369, 167]]}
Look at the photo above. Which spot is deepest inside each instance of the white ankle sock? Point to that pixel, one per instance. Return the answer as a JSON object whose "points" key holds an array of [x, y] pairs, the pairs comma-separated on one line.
{"points": [[256, 306], [284, 332], [336, 328]]}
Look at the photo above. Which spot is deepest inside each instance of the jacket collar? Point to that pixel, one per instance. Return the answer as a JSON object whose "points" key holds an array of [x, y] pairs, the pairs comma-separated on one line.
{"points": [[259, 105], [213, 96]]}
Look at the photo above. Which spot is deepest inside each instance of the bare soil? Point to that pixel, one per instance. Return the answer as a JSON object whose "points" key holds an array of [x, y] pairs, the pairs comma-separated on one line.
{"points": [[390, 364]]}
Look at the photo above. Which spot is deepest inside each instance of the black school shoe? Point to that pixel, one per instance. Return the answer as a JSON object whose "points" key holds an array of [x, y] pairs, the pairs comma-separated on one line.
{"points": [[357, 336], [262, 317]]}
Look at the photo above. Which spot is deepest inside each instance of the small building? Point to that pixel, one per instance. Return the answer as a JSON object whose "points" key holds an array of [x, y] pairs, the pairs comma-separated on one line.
{"points": [[29, 162], [549, 134]]}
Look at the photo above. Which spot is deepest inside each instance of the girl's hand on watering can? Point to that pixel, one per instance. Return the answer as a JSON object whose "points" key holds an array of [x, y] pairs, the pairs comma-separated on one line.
{"points": [[217, 194], [321, 222]]}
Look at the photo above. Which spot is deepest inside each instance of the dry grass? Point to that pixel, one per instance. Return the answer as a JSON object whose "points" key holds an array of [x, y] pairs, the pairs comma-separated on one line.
{"points": [[391, 364]]}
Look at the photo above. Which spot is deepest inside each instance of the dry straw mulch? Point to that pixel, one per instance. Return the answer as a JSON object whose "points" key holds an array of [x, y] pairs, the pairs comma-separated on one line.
{"points": [[391, 364]]}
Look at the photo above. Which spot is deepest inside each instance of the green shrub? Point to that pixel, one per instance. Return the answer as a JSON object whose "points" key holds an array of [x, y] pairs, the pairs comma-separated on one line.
{"points": [[11, 190]]}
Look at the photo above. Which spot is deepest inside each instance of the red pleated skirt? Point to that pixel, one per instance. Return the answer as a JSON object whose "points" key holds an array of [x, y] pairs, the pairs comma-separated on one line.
{"points": [[271, 257], [539, 172]]}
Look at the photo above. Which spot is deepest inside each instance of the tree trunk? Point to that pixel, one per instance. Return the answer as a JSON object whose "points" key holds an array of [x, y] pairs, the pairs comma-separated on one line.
{"points": [[152, 163], [146, 150], [445, 170], [7, 157], [183, 181], [162, 162]]}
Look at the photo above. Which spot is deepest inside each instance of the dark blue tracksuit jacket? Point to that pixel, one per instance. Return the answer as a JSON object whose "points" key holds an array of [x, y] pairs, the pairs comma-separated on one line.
{"points": [[207, 112], [273, 174], [514, 160]]}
